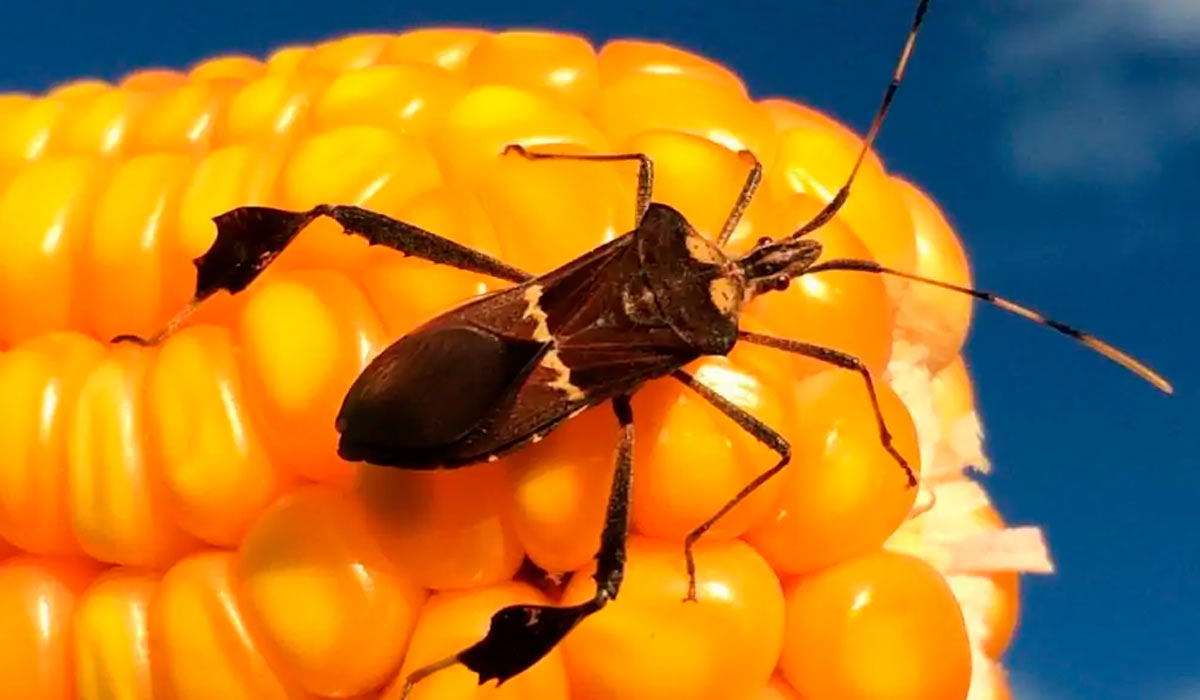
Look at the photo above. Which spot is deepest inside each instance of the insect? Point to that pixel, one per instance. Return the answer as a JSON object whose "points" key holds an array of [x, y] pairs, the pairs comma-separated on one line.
{"points": [[507, 368]]}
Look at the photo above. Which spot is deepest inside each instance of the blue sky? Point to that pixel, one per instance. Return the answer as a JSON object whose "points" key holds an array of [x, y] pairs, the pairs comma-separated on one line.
{"points": [[1063, 139]]}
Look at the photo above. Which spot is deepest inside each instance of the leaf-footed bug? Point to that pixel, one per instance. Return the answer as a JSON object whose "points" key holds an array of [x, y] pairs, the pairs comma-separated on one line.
{"points": [[506, 368]]}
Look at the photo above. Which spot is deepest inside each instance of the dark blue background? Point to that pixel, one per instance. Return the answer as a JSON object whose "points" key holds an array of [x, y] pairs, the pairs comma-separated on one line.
{"points": [[1063, 138]]}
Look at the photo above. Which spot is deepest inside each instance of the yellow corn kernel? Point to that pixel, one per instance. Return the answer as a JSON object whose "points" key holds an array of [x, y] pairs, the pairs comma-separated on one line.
{"points": [[116, 496], [544, 211], [490, 117], [116, 648], [269, 107], [27, 124], [46, 210], [643, 102], [183, 119], [445, 48], [557, 64], [298, 394], [324, 594], [725, 646], [621, 57], [215, 466], [39, 382], [98, 124], [209, 651], [364, 165], [240, 69], [410, 98], [347, 53], [124, 258], [447, 527], [38, 598]]}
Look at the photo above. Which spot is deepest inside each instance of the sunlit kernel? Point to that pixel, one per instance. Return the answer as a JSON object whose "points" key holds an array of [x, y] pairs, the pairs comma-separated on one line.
{"points": [[362, 577], [414, 106], [200, 127], [563, 76], [374, 186], [814, 286], [150, 230], [832, 441], [229, 403], [44, 621], [718, 590], [112, 137], [861, 600], [662, 69], [53, 236], [286, 117], [800, 180], [37, 145], [49, 408], [233, 615], [726, 139], [140, 626]]}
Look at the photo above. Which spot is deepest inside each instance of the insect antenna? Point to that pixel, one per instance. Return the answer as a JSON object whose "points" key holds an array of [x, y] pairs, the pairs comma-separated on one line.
{"points": [[1112, 353], [839, 199]]}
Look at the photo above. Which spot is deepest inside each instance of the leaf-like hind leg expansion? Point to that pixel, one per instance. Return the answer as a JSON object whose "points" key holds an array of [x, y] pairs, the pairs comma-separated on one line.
{"points": [[845, 361], [645, 186], [520, 635], [250, 238], [761, 432]]}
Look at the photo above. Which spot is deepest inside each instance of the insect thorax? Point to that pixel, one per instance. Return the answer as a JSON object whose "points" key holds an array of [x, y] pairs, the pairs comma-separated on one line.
{"points": [[698, 289]]}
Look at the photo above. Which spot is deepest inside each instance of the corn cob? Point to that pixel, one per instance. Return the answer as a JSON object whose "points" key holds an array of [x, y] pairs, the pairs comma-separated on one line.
{"points": [[174, 521]]}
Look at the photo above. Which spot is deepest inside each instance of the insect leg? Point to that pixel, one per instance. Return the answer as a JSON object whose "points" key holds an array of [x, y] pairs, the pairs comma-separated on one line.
{"points": [[761, 432], [897, 75], [744, 197], [846, 361], [645, 187], [520, 635], [250, 238]]}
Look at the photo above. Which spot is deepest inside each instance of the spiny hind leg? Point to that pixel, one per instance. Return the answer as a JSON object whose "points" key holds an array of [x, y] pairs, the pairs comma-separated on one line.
{"points": [[520, 635], [250, 238]]}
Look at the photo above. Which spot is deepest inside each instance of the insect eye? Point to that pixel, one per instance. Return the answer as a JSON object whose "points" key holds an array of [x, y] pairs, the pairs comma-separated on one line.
{"points": [[765, 240], [781, 282]]}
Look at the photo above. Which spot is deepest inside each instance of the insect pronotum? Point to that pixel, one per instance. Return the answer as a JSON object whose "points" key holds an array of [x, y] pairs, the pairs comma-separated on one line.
{"points": [[506, 368]]}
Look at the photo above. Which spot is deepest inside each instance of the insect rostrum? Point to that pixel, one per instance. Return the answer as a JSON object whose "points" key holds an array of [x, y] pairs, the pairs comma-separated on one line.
{"points": [[506, 368]]}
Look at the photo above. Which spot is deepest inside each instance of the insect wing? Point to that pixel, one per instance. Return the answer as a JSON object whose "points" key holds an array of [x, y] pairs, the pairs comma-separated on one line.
{"points": [[429, 390]]}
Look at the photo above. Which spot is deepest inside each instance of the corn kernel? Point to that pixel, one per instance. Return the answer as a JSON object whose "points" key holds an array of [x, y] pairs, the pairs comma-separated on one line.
{"points": [[881, 626], [215, 466], [116, 649], [623, 57], [39, 380], [117, 498], [203, 618], [324, 594], [560, 65], [724, 646], [298, 394]]}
